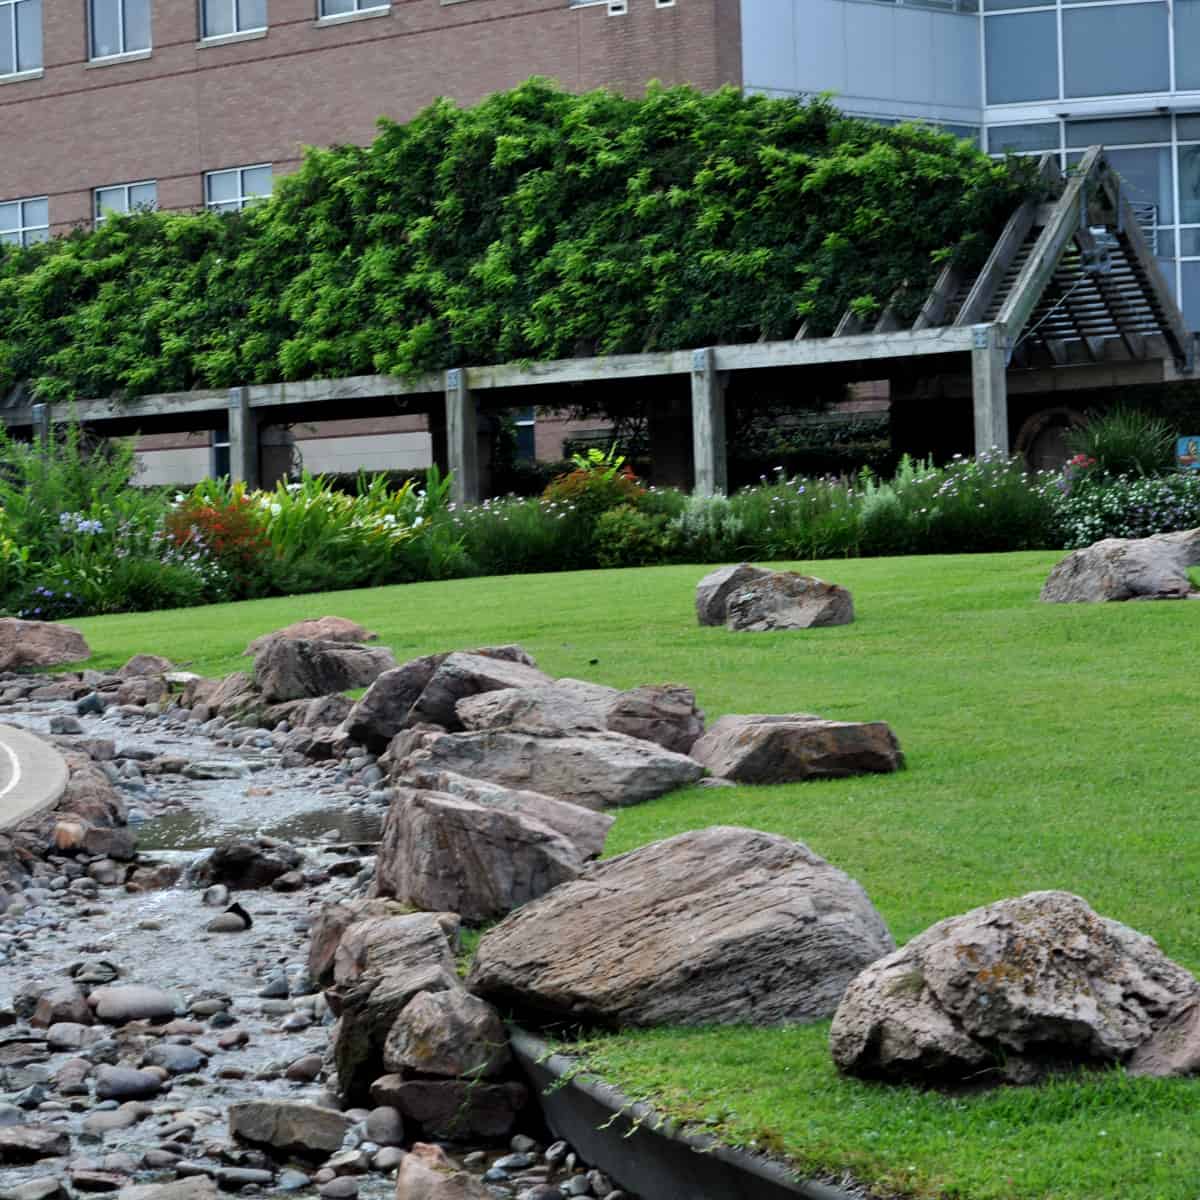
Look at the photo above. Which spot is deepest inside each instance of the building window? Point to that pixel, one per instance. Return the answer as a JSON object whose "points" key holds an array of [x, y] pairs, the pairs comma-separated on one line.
{"points": [[343, 8], [218, 454], [1116, 50], [525, 427], [119, 27], [23, 222], [1022, 57], [125, 198], [220, 18], [20, 36], [232, 190]]}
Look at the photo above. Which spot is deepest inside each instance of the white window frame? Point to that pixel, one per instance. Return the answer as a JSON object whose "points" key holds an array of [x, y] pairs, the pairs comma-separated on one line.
{"points": [[664, 3], [618, 8], [241, 200], [124, 52], [98, 217], [8, 27], [238, 31], [360, 7], [24, 230]]}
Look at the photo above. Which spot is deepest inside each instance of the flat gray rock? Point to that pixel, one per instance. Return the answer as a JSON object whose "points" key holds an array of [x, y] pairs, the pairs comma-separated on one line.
{"points": [[120, 1003], [289, 1127]]}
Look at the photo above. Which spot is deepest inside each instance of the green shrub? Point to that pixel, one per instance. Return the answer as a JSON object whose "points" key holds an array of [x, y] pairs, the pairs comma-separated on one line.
{"points": [[798, 518], [1125, 441], [707, 530], [590, 491], [1128, 508], [625, 537]]}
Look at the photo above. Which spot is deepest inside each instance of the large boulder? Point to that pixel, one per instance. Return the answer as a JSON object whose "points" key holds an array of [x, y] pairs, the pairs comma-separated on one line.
{"points": [[753, 599], [716, 926], [787, 600], [1153, 568], [287, 1127], [319, 629], [1007, 990], [194, 1187], [548, 709], [331, 922], [597, 770], [121, 1003], [781, 748], [713, 591], [379, 966], [585, 828], [31, 1143], [443, 853], [460, 1110], [664, 713], [235, 698], [386, 707], [142, 665], [460, 675], [39, 644], [295, 668], [426, 1173], [449, 1034]]}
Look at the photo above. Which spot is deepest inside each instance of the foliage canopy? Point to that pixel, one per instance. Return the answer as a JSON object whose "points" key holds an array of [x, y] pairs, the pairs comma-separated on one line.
{"points": [[535, 225]]}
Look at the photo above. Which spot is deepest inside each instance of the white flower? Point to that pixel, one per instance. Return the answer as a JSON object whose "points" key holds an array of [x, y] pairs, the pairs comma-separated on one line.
{"points": [[275, 510]]}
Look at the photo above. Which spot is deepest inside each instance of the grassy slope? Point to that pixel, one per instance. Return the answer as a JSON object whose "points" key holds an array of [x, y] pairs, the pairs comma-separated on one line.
{"points": [[1048, 746]]}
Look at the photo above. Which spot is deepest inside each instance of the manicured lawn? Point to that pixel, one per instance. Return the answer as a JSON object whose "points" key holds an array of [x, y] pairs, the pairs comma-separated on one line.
{"points": [[1048, 747]]}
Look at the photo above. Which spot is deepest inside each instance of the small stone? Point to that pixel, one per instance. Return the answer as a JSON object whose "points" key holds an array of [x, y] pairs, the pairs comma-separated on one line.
{"points": [[388, 1159], [216, 896], [342, 1188], [306, 1069]]}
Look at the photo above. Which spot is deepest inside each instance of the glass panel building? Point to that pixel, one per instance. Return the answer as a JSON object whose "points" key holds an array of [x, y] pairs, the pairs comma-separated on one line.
{"points": [[1025, 77]]}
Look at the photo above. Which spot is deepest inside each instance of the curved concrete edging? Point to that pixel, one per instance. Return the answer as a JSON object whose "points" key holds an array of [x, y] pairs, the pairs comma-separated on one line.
{"points": [[33, 776], [649, 1153]]}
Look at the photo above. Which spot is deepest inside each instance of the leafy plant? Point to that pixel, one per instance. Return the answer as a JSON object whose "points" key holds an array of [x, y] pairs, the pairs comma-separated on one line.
{"points": [[1125, 441], [625, 537]]}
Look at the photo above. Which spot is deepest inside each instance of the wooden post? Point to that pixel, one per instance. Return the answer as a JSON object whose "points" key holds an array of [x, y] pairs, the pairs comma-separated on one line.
{"points": [[989, 387], [462, 444], [243, 438], [41, 425], [708, 425]]}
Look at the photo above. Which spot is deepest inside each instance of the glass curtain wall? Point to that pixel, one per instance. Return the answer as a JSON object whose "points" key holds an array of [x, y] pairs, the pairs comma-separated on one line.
{"points": [[1068, 60]]}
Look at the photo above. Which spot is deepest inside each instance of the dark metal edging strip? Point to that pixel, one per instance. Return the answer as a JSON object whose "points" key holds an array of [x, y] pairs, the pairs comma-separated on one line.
{"points": [[569, 1103]]}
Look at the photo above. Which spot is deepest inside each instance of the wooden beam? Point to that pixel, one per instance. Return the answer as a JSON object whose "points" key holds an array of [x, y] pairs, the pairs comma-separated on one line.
{"points": [[462, 439], [989, 393], [353, 387], [904, 343], [1057, 235], [1179, 337], [933, 311], [243, 438], [708, 425], [1005, 251], [851, 323], [583, 370]]}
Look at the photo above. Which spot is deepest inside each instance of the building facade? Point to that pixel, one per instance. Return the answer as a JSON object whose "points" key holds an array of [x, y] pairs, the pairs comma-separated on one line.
{"points": [[108, 105]]}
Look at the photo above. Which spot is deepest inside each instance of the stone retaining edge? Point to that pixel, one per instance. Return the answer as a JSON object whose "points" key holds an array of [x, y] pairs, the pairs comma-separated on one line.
{"points": [[649, 1153]]}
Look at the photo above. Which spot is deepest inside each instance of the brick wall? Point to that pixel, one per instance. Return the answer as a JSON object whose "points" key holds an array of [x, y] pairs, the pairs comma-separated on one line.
{"points": [[188, 108]]}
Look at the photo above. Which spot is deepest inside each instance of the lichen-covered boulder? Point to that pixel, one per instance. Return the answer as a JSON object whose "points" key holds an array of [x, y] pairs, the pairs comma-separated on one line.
{"points": [[1006, 991]]}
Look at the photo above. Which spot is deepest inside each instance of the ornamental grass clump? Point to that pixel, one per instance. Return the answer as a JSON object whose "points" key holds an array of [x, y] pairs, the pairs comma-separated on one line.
{"points": [[1125, 442], [797, 518]]}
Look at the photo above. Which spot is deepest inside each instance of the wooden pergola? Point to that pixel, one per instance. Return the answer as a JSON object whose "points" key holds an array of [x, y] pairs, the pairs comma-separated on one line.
{"points": [[1069, 295]]}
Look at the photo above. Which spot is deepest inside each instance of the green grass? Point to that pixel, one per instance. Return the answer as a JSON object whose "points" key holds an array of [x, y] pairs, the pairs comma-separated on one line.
{"points": [[1048, 746]]}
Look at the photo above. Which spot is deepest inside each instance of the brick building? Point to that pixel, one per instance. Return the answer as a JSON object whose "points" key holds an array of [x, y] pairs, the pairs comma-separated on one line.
{"points": [[110, 104]]}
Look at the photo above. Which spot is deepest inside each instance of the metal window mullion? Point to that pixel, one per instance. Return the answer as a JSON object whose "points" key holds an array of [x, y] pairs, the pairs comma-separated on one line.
{"points": [[233, 13], [12, 18], [1062, 73], [121, 24]]}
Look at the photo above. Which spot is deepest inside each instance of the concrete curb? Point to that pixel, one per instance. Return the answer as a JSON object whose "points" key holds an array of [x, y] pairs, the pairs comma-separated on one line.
{"points": [[33, 776], [647, 1152]]}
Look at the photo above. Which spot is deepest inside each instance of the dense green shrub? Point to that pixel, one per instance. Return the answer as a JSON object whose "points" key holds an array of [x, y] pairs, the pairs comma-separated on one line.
{"points": [[627, 537], [535, 225]]}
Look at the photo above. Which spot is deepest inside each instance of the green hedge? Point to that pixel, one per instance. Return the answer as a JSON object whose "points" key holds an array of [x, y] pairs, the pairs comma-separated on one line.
{"points": [[535, 225]]}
